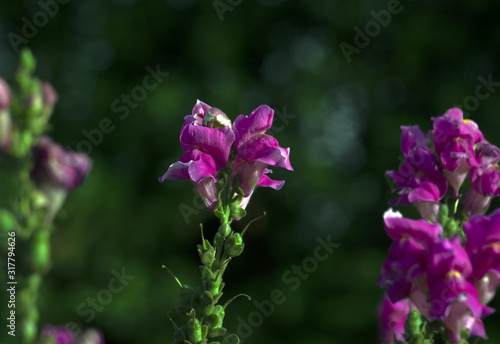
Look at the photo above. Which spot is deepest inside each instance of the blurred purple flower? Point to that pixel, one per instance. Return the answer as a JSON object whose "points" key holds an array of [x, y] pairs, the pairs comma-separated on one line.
{"points": [[391, 319], [58, 167], [5, 117], [420, 177], [256, 151], [60, 335], [206, 138]]}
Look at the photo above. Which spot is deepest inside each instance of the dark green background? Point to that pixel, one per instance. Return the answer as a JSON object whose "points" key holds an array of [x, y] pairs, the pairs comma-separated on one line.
{"points": [[343, 137]]}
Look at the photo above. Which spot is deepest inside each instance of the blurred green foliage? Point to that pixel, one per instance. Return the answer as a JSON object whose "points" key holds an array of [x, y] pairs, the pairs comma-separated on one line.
{"points": [[344, 135]]}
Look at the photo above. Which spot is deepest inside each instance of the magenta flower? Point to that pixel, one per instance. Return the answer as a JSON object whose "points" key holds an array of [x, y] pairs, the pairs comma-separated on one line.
{"points": [[206, 138], [453, 298], [60, 335], [408, 255], [55, 172], [454, 140], [484, 178], [420, 178], [391, 319], [5, 117], [55, 166], [256, 151], [483, 247]]}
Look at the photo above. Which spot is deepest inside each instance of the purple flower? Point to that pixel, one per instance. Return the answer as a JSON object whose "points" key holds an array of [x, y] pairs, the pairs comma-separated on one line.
{"points": [[55, 166], [5, 117], [408, 255], [60, 335], [454, 140], [483, 247], [420, 178], [256, 151], [453, 298], [55, 172], [484, 178], [206, 138], [391, 318]]}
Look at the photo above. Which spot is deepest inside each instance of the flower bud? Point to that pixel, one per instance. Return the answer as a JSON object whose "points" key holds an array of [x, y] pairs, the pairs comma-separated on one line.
{"points": [[224, 230], [41, 251], [208, 257], [194, 331], [234, 245]]}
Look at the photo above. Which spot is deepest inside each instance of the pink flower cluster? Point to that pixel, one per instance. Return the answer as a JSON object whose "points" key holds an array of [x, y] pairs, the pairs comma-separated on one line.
{"points": [[207, 138], [442, 159], [448, 275]]}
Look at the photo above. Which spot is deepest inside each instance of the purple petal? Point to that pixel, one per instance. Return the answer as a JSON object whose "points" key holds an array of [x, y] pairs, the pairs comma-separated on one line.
{"points": [[411, 137], [268, 182], [200, 109], [246, 127], [216, 142], [391, 319], [398, 227]]}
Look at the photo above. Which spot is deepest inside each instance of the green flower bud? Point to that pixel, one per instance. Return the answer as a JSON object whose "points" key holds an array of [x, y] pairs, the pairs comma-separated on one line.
{"points": [[224, 230], [40, 253], [234, 245], [208, 257], [29, 330], [212, 321], [194, 331], [220, 312]]}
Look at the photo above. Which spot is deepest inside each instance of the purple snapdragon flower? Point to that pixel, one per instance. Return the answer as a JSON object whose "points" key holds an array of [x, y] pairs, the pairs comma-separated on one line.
{"points": [[454, 141], [453, 298], [57, 171], [483, 247], [206, 138], [59, 335], [408, 255], [5, 117], [391, 318], [55, 166], [484, 178], [256, 151], [420, 179]]}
